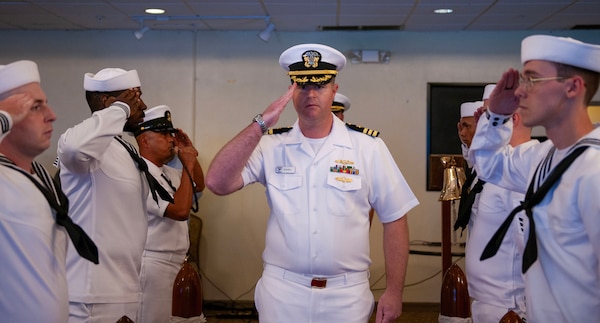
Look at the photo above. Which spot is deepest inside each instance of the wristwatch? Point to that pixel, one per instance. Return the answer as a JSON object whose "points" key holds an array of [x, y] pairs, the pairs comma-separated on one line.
{"points": [[263, 126]]}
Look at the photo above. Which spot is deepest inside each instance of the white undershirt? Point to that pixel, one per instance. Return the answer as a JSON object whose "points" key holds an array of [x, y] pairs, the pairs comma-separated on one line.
{"points": [[316, 143]]}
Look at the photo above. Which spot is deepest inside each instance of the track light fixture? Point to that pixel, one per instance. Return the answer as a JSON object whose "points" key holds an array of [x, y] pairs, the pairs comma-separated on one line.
{"points": [[265, 34], [140, 33]]}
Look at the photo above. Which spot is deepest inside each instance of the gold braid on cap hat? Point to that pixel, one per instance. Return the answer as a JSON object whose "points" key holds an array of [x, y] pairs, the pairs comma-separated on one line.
{"points": [[321, 76], [313, 79], [337, 107]]}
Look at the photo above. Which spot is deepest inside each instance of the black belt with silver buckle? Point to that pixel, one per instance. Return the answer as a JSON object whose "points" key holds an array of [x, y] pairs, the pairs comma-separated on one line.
{"points": [[318, 283]]}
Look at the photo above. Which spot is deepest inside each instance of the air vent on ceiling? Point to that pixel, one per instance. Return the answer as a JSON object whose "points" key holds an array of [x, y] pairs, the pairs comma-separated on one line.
{"points": [[350, 28], [586, 27]]}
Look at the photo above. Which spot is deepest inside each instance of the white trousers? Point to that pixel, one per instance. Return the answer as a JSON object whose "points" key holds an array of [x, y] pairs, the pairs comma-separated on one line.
{"points": [[157, 278], [101, 312], [487, 313], [281, 297]]}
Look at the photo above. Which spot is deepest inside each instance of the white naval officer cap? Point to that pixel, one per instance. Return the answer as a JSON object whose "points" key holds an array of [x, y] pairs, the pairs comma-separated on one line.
{"points": [[562, 50], [17, 74], [467, 109], [157, 119], [111, 79], [487, 91], [341, 103], [312, 63]]}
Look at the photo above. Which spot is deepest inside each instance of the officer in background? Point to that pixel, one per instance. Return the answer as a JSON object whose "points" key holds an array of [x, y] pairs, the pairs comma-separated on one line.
{"points": [[340, 104], [316, 257], [168, 240]]}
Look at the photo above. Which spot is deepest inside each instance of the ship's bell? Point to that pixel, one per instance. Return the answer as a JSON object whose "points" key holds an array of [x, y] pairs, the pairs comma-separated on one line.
{"points": [[454, 177]]}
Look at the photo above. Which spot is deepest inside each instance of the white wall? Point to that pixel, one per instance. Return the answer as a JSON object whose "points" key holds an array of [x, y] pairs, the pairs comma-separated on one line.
{"points": [[217, 81]]}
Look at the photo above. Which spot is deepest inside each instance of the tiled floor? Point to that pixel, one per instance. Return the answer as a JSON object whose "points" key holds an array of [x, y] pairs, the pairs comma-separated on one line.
{"points": [[413, 313]]}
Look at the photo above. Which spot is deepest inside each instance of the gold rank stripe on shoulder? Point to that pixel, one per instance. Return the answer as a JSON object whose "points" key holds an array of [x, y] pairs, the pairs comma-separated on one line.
{"points": [[276, 131], [366, 131]]}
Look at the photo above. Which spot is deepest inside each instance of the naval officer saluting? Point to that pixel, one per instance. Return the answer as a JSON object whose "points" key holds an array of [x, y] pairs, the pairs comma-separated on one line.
{"points": [[316, 257]]}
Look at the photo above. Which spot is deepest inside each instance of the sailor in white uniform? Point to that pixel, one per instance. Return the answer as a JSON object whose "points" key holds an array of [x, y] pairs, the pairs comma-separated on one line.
{"points": [[496, 286], [34, 223], [108, 194], [561, 257]]}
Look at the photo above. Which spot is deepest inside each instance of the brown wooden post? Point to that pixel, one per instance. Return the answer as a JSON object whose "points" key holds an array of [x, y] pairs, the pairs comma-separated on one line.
{"points": [[446, 236]]}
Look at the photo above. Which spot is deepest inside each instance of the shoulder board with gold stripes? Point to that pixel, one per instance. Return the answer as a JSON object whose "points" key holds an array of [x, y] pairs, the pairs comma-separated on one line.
{"points": [[276, 131], [366, 131]]}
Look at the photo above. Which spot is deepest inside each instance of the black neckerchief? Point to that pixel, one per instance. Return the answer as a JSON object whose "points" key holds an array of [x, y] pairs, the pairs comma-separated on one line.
{"points": [[533, 198], [60, 204], [153, 184], [467, 199]]}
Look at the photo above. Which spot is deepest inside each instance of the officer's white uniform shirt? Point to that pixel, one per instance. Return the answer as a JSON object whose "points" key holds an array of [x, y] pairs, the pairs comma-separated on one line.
{"points": [[166, 246], [107, 195], [319, 221], [164, 234], [563, 285], [33, 285]]}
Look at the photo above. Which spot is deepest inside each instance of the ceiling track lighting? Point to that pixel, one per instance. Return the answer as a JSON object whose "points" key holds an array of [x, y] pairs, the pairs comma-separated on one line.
{"points": [[144, 18], [140, 33], [265, 34]]}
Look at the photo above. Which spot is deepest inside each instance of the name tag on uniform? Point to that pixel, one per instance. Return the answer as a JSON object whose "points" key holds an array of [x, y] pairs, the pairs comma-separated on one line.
{"points": [[285, 170]]}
